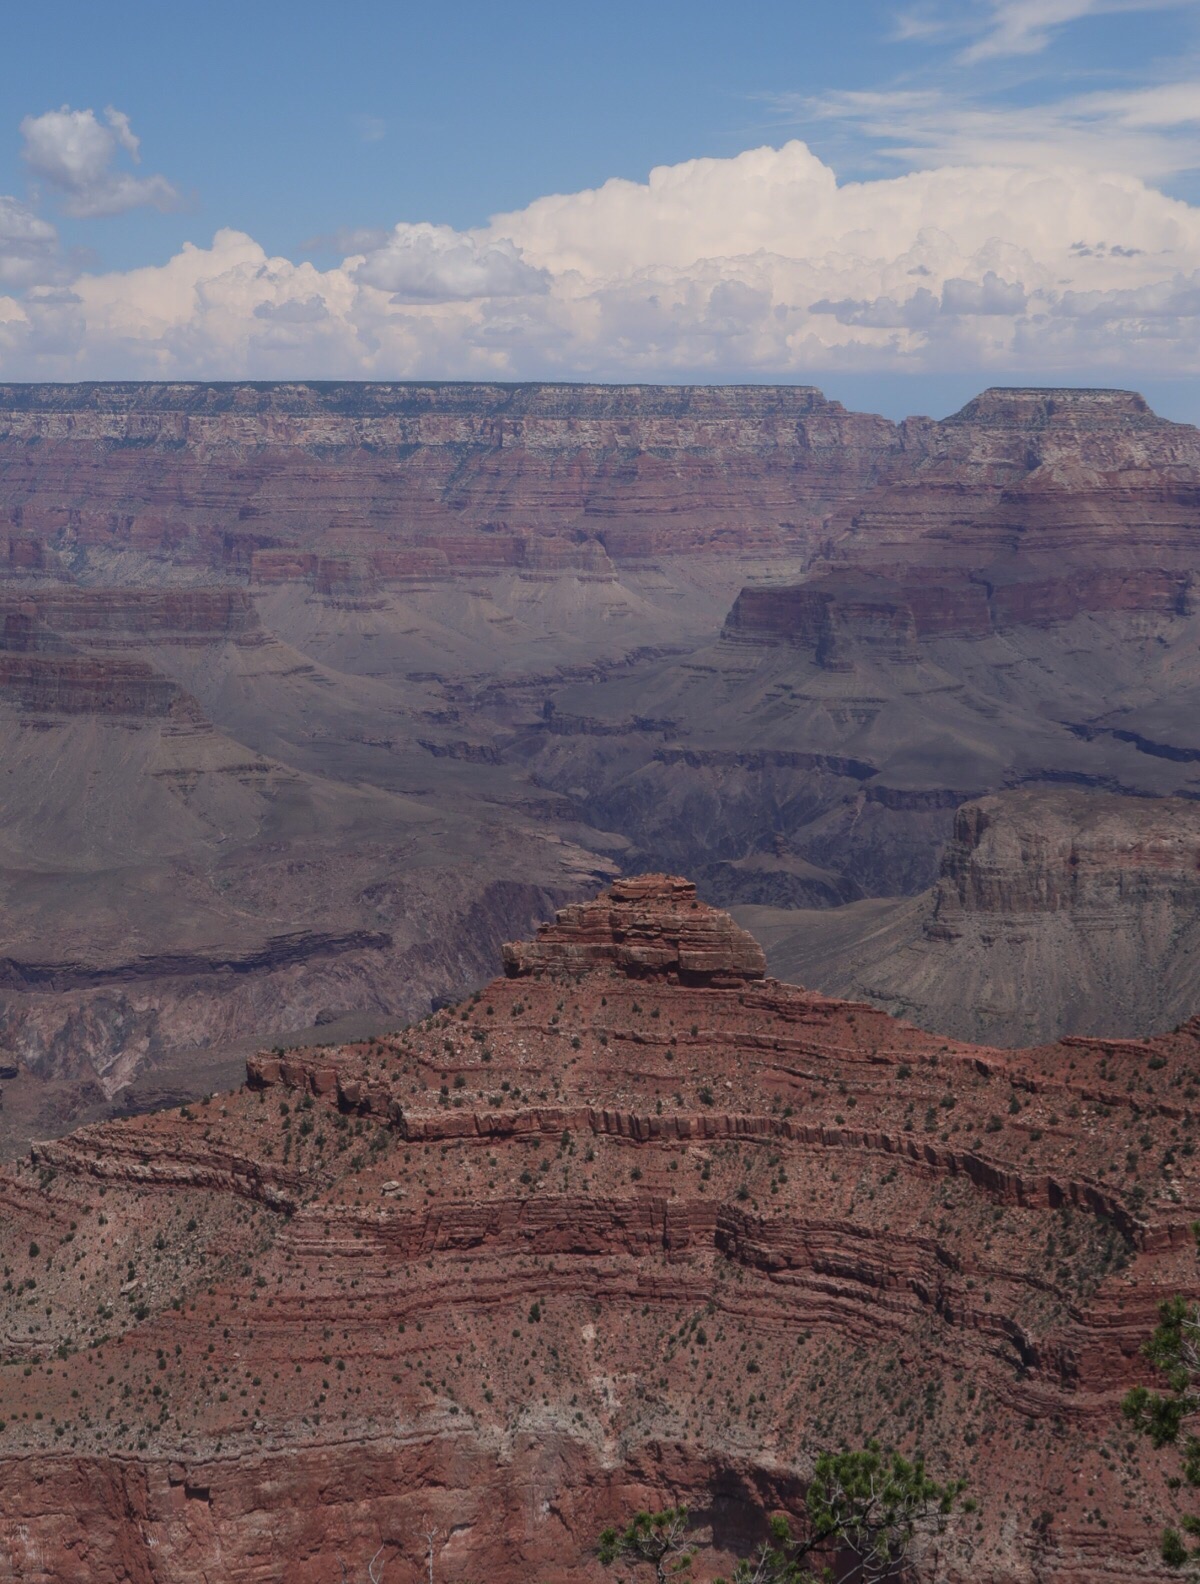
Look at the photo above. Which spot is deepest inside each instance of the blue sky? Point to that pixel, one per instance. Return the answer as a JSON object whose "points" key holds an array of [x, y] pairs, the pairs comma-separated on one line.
{"points": [[324, 135]]}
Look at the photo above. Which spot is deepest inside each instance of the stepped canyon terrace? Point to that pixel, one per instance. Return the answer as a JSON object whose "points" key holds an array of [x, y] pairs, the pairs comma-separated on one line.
{"points": [[570, 948], [635, 1218]]}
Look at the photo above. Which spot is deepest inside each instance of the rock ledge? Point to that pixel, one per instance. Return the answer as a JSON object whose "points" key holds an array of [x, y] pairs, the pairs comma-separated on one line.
{"points": [[649, 927]]}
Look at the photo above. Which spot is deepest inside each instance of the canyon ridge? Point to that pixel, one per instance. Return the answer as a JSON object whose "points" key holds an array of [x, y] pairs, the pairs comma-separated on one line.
{"points": [[312, 694], [634, 1223]]}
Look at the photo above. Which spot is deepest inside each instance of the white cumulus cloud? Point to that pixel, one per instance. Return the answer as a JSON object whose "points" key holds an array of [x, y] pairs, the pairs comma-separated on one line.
{"points": [[79, 156], [435, 263], [28, 245], [760, 265]]}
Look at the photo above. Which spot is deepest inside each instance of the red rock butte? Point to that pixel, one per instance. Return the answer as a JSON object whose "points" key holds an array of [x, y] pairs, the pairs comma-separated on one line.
{"points": [[633, 1225], [651, 927]]}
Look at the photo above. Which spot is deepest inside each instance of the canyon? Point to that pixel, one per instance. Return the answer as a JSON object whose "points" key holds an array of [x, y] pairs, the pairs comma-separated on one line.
{"points": [[310, 694], [634, 1223], [319, 702], [1016, 613]]}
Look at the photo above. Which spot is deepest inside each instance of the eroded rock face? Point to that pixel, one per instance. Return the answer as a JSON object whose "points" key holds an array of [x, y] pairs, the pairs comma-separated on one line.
{"points": [[1055, 911], [1027, 508], [340, 486], [651, 927], [594, 1240], [1058, 851]]}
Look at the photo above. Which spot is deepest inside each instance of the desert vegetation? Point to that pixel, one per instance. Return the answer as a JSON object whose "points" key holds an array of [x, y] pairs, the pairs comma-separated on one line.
{"points": [[868, 1515]]}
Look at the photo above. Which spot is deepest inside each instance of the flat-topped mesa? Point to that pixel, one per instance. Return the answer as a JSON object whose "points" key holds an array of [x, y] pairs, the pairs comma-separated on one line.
{"points": [[649, 927], [133, 401], [342, 485], [1037, 406]]}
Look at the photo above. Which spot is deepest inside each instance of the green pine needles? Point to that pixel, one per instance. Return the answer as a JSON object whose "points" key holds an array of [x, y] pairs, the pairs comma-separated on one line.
{"points": [[1174, 1350], [659, 1540], [869, 1509]]}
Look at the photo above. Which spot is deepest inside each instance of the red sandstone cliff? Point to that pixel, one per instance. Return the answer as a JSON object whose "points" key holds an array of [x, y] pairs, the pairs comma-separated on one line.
{"points": [[633, 1225]]}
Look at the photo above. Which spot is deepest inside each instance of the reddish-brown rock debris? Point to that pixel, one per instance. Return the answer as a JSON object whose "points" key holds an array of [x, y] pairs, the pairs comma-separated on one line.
{"points": [[596, 1239]]}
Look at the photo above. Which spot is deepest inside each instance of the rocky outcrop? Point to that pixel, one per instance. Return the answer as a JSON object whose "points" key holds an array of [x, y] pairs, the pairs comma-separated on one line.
{"points": [[56, 646], [1027, 508], [596, 1239], [839, 615], [24, 557], [104, 616], [54, 684], [1056, 912], [1038, 851], [653, 927]]}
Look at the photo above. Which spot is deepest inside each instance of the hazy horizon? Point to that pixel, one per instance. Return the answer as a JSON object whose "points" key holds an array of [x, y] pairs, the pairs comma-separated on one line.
{"points": [[885, 395]]}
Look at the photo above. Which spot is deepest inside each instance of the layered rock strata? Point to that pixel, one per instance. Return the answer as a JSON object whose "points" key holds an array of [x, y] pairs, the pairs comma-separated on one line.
{"points": [[338, 486], [1055, 911], [646, 928], [285, 661], [1027, 508], [595, 1239], [1013, 605]]}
